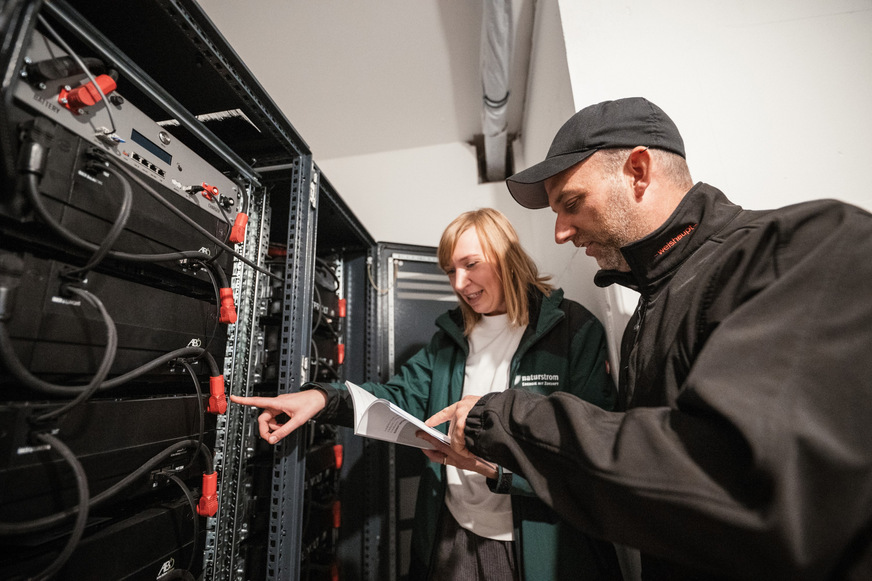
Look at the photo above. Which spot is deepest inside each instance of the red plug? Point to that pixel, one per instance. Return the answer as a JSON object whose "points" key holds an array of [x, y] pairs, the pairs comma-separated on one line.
{"points": [[340, 353], [209, 192], [86, 95], [337, 456], [217, 397], [208, 504], [227, 313], [237, 232], [342, 308]]}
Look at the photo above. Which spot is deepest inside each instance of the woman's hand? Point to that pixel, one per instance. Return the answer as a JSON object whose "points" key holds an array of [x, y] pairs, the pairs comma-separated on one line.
{"points": [[300, 407], [456, 414], [444, 454]]}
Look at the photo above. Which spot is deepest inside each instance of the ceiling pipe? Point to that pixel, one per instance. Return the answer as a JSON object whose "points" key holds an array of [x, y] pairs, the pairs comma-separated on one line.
{"points": [[496, 60]]}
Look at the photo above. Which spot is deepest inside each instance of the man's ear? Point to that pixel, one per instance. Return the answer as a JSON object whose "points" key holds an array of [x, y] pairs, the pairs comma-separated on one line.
{"points": [[639, 168]]}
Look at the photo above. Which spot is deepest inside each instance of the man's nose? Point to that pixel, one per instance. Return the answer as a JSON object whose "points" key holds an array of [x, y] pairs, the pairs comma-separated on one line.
{"points": [[563, 231]]}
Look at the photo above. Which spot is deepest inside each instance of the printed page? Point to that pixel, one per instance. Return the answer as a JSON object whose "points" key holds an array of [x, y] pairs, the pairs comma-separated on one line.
{"points": [[382, 420], [361, 400]]}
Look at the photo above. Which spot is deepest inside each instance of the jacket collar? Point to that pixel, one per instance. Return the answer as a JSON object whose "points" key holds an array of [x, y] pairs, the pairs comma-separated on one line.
{"points": [[544, 314], [702, 213], [452, 323]]}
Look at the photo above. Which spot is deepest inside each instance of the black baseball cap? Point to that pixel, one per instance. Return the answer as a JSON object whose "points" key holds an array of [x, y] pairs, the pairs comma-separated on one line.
{"points": [[624, 123]]}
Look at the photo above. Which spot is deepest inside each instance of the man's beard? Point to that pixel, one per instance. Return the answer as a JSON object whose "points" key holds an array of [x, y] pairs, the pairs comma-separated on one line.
{"points": [[617, 229]]}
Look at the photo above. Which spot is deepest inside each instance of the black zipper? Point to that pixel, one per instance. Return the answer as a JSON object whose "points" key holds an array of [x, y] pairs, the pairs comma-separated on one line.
{"points": [[641, 310]]}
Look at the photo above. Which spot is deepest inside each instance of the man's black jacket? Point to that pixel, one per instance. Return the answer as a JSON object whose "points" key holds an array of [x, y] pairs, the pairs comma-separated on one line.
{"points": [[745, 450]]}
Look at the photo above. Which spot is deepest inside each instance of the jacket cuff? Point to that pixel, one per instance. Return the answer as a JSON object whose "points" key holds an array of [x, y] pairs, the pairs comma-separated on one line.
{"points": [[474, 421], [338, 410], [503, 482]]}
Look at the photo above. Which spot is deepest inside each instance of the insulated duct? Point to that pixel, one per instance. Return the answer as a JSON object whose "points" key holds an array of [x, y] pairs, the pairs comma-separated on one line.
{"points": [[496, 58]]}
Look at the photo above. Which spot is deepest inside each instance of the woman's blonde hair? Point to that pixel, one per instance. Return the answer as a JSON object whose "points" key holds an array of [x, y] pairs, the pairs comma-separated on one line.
{"points": [[501, 247]]}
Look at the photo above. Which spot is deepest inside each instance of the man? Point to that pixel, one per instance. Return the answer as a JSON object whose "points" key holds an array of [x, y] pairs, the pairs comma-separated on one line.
{"points": [[745, 447]]}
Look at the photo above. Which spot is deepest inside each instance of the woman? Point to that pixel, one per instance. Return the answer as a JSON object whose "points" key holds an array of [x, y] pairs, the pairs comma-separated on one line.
{"points": [[512, 330]]}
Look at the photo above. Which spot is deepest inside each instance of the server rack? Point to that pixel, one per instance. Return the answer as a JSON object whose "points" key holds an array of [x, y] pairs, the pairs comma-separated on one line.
{"points": [[189, 489]]}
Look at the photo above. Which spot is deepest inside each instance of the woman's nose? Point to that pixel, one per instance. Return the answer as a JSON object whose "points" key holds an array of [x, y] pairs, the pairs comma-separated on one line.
{"points": [[459, 279]]}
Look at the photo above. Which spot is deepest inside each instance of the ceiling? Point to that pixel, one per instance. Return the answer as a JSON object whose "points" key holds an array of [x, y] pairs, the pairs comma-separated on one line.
{"points": [[356, 78]]}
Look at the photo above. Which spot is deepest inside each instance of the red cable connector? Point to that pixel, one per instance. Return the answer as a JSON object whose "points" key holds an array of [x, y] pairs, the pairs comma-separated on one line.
{"points": [[217, 397], [208, 504], [342, 308], [86, 95], [340, 353], [209, 192], [227, 313], [237, 232], [337, 456]]}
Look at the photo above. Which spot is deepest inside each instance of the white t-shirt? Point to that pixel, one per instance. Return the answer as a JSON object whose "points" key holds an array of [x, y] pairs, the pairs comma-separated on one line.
{"points": [[491, 346]]}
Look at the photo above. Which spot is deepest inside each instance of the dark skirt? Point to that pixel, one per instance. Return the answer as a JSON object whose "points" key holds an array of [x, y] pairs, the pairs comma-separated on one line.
{"points": [[461, 555]]}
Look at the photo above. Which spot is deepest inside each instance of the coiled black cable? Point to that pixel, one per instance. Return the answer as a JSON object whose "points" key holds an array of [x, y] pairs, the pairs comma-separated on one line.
{"points": [[329, 269], [193, 504], [318, 308], [117, 227], [212, 271], [36, 525], [81, 513], [103, 370], [202, 414], [32, 190], [10, 359]]}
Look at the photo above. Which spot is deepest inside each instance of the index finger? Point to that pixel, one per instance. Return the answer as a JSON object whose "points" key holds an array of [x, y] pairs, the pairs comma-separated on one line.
{"points": [[258, 402], [457, 433], [441, 416]]}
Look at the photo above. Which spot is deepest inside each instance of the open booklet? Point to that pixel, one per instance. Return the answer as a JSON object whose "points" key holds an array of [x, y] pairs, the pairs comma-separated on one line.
{"points": [[382, 420]]}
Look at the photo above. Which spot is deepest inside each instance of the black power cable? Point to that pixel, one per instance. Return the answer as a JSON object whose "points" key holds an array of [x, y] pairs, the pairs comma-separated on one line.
{"points": [[320, 304], [82, 511], [329, 269], [117, 228], [40, 524], [202, 412], [32, 190], [102, 371], [315, 361], [211, 270], [193, 504], [10, 359]]}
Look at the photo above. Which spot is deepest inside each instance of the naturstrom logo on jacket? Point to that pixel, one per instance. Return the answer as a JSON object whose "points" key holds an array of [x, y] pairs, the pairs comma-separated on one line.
{"points": [[538, 380]]}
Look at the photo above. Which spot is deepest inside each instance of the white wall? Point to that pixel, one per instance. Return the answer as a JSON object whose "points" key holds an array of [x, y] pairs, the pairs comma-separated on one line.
{"points": [[410, 195], [772, 96]]}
